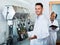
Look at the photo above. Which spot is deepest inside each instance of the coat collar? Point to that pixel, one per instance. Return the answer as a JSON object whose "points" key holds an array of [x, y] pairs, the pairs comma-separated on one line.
{"points": [[40, 16]]}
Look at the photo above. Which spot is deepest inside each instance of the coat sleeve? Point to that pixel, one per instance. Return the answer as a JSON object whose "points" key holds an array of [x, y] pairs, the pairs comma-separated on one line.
{"points": [[57, 29], [30, 34]]}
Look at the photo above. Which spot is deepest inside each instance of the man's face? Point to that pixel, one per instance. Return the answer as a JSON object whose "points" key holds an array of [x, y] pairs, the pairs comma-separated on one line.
{"points": [[38, 10], [53, 16]]}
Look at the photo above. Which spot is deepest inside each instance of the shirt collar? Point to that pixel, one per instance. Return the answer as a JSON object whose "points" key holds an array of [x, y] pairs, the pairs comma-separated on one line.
{"points": [[39, 16]]}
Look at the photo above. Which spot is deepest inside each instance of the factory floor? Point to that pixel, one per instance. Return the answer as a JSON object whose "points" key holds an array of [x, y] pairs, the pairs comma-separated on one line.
{"points": [[27, 42], [24, 42]]}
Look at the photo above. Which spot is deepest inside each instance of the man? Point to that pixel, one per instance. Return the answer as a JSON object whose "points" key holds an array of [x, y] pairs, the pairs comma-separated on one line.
{"points": [[40, 33], [53, 29]]}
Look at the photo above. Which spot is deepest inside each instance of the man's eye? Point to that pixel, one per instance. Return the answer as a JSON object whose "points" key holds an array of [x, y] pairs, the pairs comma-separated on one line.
{"points": [[38, 8]]}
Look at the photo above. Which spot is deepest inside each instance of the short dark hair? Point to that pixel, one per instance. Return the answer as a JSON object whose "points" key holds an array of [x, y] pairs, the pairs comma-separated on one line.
{"points": [[56, 16], [39, 4]]}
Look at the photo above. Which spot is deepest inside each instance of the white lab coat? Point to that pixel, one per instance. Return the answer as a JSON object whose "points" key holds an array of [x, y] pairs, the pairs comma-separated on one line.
{"points": [[41, 31], [53, 33]]}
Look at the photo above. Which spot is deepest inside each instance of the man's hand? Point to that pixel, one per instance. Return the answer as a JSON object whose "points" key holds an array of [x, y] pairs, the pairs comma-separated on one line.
{"points": [[34, 37]]}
